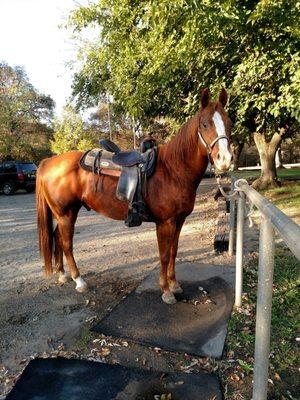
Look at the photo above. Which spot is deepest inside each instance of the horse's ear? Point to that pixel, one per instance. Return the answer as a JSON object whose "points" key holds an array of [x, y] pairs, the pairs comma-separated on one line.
{"points": [[205, 95], [223, 97]]}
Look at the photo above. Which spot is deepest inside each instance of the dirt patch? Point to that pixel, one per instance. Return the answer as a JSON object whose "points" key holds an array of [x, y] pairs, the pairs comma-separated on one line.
{"points": [[39, 316]]}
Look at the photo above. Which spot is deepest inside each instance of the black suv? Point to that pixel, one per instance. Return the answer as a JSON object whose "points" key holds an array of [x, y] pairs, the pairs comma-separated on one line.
{"points": [[16, 175]]}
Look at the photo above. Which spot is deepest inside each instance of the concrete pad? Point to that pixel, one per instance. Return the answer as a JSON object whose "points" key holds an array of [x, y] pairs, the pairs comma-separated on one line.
{"points": [[61, 379], [196, 324]]}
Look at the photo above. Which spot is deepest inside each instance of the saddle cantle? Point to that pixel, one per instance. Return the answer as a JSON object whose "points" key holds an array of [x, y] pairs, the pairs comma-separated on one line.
{"points": [[110, 146], [123, 158], [131, 167]]}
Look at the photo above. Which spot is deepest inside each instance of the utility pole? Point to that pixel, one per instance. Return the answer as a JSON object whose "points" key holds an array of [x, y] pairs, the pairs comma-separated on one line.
{"points": [[108, 115], [133, 130]]}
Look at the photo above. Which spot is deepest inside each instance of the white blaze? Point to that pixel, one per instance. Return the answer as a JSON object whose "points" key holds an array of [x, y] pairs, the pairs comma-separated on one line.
{"points": [[220, 128], [224, 152]]}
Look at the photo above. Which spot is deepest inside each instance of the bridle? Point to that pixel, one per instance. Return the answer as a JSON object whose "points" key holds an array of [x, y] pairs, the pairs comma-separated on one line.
{"points": [[209, 146]]}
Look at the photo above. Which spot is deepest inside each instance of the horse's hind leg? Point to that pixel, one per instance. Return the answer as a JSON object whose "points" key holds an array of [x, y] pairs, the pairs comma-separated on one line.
{"points": [[173, 284], [66, 225], [58, 256]]}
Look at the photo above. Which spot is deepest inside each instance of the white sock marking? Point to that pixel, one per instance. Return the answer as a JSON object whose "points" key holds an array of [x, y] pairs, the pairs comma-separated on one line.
{"points": [[62, 277], [79, 282]]}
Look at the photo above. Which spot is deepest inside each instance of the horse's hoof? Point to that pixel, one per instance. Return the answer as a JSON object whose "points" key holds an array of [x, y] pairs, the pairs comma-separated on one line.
{"points": [[168, 298], [175, 288], [82, 289], [81, 285], [63, 278]]}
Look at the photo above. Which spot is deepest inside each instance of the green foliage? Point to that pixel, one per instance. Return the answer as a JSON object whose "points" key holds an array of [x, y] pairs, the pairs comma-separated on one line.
{"points": [[155, 56], [70, 132], [25, 117]]}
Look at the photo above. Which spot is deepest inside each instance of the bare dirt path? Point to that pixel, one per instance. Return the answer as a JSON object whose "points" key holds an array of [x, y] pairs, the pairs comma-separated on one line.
{"points": [[37, 314]]}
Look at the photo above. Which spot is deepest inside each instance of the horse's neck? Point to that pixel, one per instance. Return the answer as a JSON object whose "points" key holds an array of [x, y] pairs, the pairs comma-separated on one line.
{"points": [[184, 159]]}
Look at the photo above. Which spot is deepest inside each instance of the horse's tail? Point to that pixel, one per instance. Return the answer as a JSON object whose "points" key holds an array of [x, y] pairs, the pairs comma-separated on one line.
{"points": [[45, 226]]}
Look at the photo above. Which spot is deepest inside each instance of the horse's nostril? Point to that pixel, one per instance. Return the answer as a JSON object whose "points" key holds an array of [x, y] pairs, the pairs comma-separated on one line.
{"points": [[219, 156], [231, 159]]}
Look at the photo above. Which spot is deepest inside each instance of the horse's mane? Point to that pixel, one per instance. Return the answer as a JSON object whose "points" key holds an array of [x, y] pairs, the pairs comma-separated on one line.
{"points": [[182, 146]]}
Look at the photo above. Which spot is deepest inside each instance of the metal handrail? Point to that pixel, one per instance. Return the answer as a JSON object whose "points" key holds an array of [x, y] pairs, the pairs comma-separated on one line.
{"points": [[271, 217], [287, 228]]}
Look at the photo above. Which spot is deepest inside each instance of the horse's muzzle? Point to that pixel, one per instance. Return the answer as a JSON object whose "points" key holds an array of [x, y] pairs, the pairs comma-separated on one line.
{"points": [[223, 161]]}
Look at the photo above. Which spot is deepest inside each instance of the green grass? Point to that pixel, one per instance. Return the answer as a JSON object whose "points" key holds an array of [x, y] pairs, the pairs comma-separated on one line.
{"points": [[292, 173], [285, 358], [285, 197]]}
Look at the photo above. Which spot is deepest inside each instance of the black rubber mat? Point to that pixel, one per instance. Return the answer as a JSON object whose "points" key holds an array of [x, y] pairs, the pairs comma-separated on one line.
{"points": [[196, 324], [64, 379]]}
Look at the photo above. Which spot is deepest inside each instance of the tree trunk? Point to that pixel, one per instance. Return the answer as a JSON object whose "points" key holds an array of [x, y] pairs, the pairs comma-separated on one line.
{"points": [[267, 151], [237, 150]]}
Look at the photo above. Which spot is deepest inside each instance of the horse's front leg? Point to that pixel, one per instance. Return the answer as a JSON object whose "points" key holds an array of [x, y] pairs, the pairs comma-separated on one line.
{"points": [[165, 236], [173, 284]]}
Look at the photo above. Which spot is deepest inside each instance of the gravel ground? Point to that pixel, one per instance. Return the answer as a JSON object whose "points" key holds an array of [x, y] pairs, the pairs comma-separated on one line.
{"points": [[38, 315]]}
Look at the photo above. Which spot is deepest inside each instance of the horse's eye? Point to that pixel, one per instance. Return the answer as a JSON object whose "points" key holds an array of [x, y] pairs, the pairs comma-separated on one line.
{"points": [[204, 124]]}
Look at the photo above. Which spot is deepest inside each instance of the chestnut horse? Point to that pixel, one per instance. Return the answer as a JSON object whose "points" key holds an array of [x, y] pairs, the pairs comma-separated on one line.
{"points": [[63, 188]]}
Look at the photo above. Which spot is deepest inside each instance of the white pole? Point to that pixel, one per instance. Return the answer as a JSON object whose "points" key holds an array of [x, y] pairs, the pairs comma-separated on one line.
{"points": [[108, 115]]}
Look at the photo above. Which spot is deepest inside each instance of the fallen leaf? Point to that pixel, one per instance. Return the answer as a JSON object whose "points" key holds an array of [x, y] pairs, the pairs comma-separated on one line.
{"points": [[97, 340], [162, 376], [235, 377], [91, 319], [277, 377], [104, 352]]}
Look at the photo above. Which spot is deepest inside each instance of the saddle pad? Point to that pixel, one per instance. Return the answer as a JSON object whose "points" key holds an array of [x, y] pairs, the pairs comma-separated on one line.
{"points": [[61, 379]]}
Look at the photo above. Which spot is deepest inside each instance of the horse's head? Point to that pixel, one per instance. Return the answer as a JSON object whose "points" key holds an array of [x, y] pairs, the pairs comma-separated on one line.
{"points": [[214, 130]]}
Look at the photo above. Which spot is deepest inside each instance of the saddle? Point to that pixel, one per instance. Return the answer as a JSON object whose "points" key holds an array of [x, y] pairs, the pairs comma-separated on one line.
{"points": [[132, 168]]}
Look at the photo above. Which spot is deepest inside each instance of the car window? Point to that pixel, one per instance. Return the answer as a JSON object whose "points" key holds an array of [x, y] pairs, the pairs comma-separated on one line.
{"points": [[27, 167], [9, 168]]}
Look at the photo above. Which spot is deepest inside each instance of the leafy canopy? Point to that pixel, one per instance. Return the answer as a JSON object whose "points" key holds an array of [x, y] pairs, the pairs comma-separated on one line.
{"points": [[69, 132], [155, 56], [25, 116]]}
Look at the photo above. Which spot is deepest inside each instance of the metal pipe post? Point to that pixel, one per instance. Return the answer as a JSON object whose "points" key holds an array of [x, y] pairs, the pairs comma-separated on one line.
{"points": [[231, 222], [263, 309], [239, 249]]}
